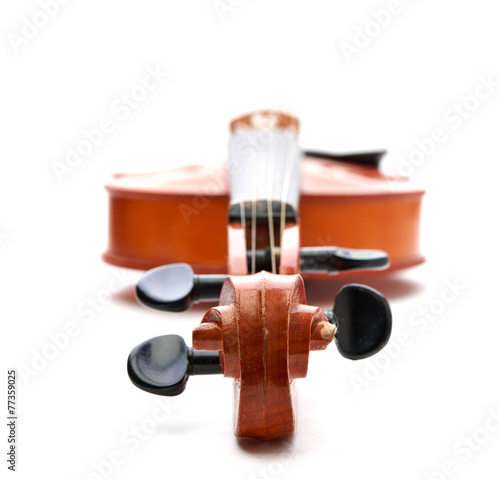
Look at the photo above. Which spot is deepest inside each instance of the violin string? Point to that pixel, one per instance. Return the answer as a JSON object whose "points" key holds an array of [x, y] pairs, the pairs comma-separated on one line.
{"points": [[287, 179], [254, 213], [270, 184], [243, 220]]}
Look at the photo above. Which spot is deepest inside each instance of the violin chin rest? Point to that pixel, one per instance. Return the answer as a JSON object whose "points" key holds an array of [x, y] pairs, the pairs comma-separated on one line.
{"points": [[364, 321]]}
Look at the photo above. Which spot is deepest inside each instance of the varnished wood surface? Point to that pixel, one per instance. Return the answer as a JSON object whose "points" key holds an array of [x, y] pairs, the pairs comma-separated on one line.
{"points": [[264, 331], [181, 215]]}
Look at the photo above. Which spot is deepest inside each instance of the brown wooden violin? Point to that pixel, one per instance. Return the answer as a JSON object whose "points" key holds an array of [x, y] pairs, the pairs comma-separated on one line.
{"points": [[250, 232]]}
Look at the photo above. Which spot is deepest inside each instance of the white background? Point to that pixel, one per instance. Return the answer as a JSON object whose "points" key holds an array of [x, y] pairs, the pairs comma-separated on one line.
{"points": [[79, 409]]}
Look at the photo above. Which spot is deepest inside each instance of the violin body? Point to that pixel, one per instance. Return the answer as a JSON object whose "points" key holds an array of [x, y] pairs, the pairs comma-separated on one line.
{"points": [[181, 215]]}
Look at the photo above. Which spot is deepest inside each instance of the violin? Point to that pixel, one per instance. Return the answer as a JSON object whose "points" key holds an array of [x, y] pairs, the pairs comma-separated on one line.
{"points": [[247, 235]]}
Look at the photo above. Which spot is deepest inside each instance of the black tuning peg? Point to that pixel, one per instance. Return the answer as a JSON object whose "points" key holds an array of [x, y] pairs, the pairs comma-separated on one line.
{"points": [[363, 319], [331, 259], [175, 287], [162, 365]]}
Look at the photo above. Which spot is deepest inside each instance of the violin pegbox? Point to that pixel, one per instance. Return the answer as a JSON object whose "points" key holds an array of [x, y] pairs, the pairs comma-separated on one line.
{"points": [[260, 335], [264, 331]]}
